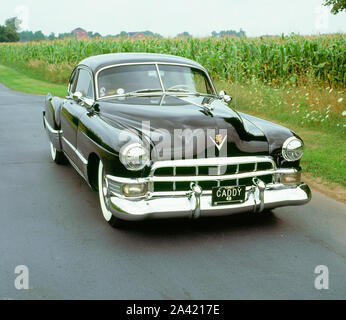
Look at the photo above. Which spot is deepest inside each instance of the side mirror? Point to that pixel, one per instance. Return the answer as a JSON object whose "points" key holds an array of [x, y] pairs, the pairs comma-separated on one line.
{"points": [[227, 98], [77, 96], [224, 96]]}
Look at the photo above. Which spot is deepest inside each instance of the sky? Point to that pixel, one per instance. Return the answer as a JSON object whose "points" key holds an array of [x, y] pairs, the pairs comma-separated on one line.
{"points": [[170, 17]]}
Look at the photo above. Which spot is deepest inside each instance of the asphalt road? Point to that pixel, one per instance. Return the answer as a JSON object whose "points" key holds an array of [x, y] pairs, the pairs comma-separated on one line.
{"points": [[50, 221]]}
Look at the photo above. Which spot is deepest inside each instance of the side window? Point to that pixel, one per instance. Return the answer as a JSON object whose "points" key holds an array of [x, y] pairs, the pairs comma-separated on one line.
{"points": [[84, 84]]}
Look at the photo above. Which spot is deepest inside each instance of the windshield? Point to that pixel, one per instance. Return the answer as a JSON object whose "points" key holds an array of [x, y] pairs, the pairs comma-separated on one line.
{"points": [[182, 78], [143, 78], [124, 79]]}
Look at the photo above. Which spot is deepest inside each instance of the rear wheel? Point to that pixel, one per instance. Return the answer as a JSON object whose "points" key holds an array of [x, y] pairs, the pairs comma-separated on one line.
{"points": [[57, 156], [104, 199]]}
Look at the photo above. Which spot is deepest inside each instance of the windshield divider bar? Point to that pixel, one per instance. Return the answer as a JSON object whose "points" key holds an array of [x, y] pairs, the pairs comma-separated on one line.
{"points": [[158, 73]]}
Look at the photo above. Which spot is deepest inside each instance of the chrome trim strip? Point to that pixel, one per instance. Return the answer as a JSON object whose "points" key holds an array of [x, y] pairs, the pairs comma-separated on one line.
{"points": [[193, 178], [212, 178], [74, 165], [50, 128], [77, 169], [80, 156], [127, 180], [211, 162]]}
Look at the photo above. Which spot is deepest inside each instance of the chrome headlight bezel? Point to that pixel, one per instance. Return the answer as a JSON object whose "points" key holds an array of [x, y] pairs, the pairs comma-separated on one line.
{"points": [[292, 149], [134, 156]]}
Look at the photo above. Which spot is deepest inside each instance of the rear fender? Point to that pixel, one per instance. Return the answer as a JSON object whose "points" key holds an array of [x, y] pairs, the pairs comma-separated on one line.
{"points": [[51, 119]]}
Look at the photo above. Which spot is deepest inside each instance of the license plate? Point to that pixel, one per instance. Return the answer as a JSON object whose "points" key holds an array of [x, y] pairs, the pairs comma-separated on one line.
{"points": [[224, 195]]}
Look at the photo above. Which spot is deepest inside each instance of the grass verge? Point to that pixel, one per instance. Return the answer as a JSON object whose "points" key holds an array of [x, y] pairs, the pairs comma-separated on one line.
{"points": [[18, 81]]}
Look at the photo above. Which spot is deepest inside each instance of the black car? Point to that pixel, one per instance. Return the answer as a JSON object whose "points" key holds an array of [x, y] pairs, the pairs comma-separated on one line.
{"points": [[150, 133]]}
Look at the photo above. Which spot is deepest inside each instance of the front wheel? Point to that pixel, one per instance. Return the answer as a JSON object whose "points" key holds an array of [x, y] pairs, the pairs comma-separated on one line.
{"points": [[57, 156], [104, 200]]}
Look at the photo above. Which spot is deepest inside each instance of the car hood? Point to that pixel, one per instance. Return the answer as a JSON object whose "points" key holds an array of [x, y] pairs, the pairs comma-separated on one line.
{"points": [[170, 123]]}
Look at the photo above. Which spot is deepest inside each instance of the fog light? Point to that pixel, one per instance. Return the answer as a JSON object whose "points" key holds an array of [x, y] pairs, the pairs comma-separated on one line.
{"points": [[291, 178], [134, 189]]}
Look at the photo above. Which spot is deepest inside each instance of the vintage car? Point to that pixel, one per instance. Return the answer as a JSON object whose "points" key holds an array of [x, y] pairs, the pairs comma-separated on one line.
{"points": [[152, 135]]}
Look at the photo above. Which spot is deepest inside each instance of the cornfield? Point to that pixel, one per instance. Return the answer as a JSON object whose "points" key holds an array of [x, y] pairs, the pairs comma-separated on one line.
{"points": [[277, 61]]}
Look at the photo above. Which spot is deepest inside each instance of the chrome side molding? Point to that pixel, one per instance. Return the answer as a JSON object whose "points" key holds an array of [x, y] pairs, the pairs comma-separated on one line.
{"points": [[79, 155]]}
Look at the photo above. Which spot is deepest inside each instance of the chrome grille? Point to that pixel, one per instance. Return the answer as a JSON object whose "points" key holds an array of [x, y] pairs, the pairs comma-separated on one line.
{"points": [[176, 176]]}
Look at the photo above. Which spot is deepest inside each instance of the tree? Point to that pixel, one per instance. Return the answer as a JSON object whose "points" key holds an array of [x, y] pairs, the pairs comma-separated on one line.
{"points": [[337, 5], [224, 33], [51, 36], [64, 35], [13, 23], [38, 35], [184, 34], [7, 34], [26, 36], [91, 34]]}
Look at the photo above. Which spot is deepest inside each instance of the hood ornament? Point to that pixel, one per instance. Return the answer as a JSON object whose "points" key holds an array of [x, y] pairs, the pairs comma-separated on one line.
{"points": [[219, 141]]}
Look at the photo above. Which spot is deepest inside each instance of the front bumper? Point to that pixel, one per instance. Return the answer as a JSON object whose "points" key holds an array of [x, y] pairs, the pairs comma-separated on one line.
{"points": [[194, 205]]}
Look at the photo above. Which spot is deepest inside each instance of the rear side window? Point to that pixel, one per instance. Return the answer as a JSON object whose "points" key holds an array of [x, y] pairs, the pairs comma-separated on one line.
{"points": [[84, 84]]}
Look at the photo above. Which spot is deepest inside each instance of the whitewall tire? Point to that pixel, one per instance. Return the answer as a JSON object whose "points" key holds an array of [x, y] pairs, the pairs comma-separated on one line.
{"points": [[104, 199], [57, 156]]}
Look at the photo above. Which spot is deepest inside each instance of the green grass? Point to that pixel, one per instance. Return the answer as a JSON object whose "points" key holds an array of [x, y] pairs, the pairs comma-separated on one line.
{"points": [[18, 81], [325, 142], [324, 156]]}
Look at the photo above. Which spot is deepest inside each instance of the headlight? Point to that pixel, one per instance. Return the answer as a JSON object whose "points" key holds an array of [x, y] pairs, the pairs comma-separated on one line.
{"points": [[292, 149], [134, 156]]}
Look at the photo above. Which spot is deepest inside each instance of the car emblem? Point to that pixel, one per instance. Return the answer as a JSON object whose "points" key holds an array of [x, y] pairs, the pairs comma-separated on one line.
{"points": [[219, 140]]}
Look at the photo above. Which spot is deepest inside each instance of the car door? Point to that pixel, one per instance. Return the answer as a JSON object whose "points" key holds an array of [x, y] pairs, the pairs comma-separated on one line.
{"points": [[72, 110]]}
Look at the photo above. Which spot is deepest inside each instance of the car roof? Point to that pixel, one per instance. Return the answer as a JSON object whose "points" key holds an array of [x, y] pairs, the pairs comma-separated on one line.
{"points": [[95, 63]]}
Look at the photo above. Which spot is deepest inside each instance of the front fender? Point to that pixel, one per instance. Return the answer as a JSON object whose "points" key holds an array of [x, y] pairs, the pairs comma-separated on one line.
{"points": [[274, 133], [105, 140]]}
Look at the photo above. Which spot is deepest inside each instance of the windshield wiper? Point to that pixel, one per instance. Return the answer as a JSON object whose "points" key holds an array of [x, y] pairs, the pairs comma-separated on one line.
{"points": [[142, 91], [191, 92], [183, 91]]}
